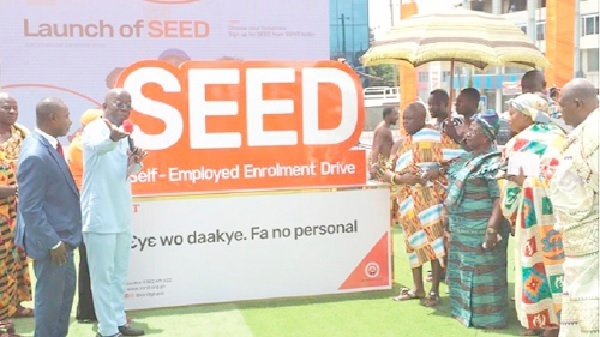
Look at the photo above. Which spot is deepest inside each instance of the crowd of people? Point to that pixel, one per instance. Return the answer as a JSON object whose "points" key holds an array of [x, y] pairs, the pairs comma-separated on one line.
{"points": [[50, 206], [459, 198]]}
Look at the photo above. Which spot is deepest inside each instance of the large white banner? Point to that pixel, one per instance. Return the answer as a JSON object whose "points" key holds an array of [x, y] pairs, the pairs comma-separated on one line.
{"points": [[75, 49], [252, 246]]}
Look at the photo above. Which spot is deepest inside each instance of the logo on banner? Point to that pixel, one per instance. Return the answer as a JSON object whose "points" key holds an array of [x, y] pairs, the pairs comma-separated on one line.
{"points": [[230, 125], [372, 270]]}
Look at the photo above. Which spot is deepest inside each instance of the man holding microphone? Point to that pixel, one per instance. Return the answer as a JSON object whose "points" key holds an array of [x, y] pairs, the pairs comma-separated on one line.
{"points": [[109, 158]]}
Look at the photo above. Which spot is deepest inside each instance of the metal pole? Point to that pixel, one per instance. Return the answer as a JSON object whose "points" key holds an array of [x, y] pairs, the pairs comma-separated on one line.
{"points": [[578, 65], [497, 10], [392, 12], [395, 66], [531, 28], [343, 36]]}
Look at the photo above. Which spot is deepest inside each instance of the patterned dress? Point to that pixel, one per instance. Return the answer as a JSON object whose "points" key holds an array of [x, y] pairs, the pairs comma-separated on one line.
{"points": [[477, 279], [574, 193], [15, 283], [538, 247], [421, 212]]}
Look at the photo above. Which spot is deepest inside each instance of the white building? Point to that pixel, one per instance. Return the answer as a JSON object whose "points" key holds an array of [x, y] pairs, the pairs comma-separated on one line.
{"points": [[516, 11], [491, 83]]}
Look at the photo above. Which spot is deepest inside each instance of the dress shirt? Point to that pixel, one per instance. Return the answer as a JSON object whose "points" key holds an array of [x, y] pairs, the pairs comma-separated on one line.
{"points": [[52, 140], [106, 193]]}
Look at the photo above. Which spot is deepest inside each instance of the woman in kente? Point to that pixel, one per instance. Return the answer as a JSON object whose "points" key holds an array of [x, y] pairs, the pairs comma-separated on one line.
{"points": [[478, 232], [15, 284], [526, 203]]}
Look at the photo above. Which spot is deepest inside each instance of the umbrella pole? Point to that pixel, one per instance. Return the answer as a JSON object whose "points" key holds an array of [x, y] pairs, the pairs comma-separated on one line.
{"points": [[451, 90]]}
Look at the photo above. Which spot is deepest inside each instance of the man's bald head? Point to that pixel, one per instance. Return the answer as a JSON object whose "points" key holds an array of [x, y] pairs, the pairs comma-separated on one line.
{"points": [[414, 117], [115, 94], [418, 108], [577, 100], [117, 105], [6, 96], [7, 99], [9, 110], [46, 107], [533, 81], [52, 116], [580, 88]]}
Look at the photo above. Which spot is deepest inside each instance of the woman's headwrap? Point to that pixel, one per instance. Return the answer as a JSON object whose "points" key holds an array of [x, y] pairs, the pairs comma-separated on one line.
{"points": [[490, 123], [90, 115], [532, 105]]}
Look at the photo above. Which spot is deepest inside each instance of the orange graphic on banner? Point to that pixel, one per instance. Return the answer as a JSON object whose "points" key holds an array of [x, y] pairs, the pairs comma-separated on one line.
{"points": [[373, 270], [560, 41], [233, 125], [407, 73]]}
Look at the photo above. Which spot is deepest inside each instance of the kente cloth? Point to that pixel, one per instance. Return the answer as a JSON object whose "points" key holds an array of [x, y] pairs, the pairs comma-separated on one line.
{"points": [[15, 282], [421, 213]]}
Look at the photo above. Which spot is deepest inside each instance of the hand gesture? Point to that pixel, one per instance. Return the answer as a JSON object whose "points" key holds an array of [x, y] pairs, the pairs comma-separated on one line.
{"points": [[58, 255], [431, 174], [517, 179], [374, 171], [491, 241], [450, 130], [137, 156], [412, 178], [115, 133]]}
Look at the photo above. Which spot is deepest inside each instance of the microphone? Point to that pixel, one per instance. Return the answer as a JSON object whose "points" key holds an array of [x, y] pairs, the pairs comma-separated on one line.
{"points": [[128, 127]]}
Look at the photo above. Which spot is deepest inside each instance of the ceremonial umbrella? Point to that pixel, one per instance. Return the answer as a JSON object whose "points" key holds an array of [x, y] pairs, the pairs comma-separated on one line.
{"points": [[476, 38]]}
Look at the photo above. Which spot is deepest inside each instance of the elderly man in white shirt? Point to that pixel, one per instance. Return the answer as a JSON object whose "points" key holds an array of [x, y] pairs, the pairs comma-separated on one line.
{"points": [[106, 209]]}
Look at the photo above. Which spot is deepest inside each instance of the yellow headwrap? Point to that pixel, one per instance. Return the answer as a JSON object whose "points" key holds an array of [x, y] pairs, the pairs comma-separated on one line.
{"points": [[530, 104], [90, 115]]}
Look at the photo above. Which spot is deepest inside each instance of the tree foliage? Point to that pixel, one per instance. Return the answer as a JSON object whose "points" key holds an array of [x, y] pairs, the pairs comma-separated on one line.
{"points": [[384, 73]]}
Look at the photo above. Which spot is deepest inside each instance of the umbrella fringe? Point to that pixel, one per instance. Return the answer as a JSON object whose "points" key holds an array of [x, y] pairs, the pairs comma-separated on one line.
{"points": [[476, 59], [470, 37]]}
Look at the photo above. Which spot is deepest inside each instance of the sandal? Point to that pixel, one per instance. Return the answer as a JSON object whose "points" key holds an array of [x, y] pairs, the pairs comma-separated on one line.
{"points": [[432, 301], [407, 295], [429, 276], [493, 328], [23, 312], [7, 329], [550, 332]]}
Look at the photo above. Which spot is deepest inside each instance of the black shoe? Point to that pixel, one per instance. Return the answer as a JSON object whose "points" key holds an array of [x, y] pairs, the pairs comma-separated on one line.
{"points": [[127, 330]]}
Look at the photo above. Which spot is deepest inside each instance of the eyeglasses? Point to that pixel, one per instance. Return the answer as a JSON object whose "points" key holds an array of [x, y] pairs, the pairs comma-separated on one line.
{"points": [[121, 105]]}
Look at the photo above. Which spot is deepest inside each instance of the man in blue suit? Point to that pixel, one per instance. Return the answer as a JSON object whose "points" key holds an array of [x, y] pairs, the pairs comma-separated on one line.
{"points": [[49, 223]]}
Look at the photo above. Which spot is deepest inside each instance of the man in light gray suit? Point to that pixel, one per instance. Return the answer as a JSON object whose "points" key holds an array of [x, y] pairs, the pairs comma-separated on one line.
{"points": [[49, 217]]}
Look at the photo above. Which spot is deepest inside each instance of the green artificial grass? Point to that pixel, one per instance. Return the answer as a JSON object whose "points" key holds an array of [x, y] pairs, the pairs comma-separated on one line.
{"points": [[363, 314]]}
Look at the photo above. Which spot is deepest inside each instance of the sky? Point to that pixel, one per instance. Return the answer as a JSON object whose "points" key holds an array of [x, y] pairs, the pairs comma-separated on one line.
{"points": [[379, 11]]}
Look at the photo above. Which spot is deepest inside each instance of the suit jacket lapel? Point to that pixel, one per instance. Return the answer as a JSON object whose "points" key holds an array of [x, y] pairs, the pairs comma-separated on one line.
{"points": [[60, 161]]}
